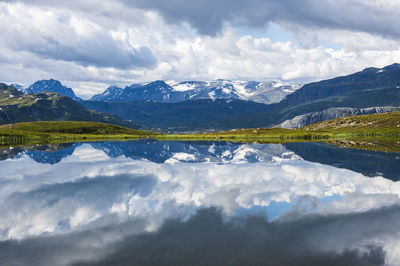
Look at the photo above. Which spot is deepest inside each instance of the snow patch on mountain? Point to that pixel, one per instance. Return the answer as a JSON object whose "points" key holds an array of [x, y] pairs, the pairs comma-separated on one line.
{"points": [[182, 86]]}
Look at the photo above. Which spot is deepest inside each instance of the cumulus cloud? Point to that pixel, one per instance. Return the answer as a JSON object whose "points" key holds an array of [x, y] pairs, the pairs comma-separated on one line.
{"points": [[208, 17], [358, 15], [93, 44], [66, 37], [100, 51]]}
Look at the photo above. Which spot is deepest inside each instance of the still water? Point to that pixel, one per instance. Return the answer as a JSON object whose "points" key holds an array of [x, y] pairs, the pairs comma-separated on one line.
{"points": [[198, 203]]}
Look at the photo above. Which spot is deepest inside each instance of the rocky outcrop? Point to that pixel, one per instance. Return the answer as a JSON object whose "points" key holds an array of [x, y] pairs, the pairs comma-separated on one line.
{"points": [[332, 113]]}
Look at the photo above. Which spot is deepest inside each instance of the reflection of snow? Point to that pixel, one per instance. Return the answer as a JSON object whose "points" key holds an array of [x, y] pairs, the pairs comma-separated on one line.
{"points": [[181, 157]]}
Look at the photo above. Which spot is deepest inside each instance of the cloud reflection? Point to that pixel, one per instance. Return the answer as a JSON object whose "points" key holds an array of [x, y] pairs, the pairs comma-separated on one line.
{"points": [[207, 239], [110, 204]]}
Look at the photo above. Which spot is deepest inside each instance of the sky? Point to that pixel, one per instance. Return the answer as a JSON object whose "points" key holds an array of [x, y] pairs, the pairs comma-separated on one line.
{"points": [[90, 45]]}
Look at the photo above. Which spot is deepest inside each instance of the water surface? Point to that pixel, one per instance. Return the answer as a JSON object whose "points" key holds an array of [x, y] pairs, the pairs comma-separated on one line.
{"points": [[195, 203]]}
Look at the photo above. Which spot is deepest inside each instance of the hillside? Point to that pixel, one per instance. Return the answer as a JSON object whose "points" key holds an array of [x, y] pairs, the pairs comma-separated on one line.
{"points": [[332, 113], [372, 87], [17, 107], [371, 122]]}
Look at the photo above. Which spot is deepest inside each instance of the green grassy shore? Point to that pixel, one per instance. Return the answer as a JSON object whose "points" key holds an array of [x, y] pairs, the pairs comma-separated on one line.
{"points": [[355, 131], [66, 131], [377, 126]]}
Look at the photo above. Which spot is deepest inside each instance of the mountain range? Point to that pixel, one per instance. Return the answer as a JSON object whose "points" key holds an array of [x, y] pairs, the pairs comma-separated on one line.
{"points": [[224, 105], [369, 91], [169, 92], [161, 91]]}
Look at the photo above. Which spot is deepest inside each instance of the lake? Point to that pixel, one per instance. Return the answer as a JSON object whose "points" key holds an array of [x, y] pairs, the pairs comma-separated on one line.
{"points": [[198, 203]]}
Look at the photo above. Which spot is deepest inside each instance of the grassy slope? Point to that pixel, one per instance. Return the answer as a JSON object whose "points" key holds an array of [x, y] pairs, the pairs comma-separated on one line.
{"points": [[61, 131], [370, 132], [384, 122]]}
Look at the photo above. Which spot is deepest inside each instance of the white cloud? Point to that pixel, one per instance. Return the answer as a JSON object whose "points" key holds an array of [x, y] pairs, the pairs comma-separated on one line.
{"points": [[118, 43], [59, 35]]}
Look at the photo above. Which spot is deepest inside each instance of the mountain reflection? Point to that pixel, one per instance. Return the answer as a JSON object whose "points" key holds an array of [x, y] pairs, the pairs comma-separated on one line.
{"points": [[160, 152], [40, 153], [369, 163], [148, 202]]}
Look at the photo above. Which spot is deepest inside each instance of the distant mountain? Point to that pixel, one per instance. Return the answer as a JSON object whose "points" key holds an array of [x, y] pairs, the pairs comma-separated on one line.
{"points": [[18, 87], [195, 90], [111, 94], [51, 85], [8, 93], [160, 91], [157, 91], [18, 107], [265, 92]]}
